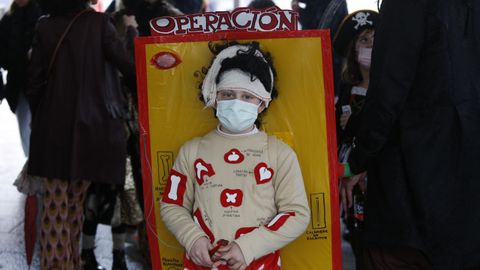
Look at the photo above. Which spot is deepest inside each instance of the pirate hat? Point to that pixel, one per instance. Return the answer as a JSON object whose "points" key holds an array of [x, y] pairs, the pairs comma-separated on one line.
{"points": [[353, 24]]}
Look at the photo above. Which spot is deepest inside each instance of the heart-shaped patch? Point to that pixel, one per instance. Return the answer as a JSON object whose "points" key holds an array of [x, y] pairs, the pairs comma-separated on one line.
{"points": [[263, 174]]}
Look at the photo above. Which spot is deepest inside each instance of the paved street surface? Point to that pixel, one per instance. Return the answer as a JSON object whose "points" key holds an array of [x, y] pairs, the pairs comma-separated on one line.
{"points": [[12, 251]]}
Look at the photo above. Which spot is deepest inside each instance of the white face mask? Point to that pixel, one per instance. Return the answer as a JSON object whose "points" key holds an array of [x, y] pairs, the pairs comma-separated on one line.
{"points": [[365, 57], [236, 115]]}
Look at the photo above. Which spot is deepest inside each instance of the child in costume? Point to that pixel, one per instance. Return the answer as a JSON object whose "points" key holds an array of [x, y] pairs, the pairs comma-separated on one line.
{"points": [[236, 195], [354, 42]]}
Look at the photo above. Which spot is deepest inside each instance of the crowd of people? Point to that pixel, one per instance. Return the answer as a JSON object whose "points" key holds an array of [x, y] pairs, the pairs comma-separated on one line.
{"points": [[71, 84], [407, 108]]}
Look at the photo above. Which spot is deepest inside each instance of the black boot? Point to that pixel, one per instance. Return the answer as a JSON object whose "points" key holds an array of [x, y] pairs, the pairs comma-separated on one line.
{"points": [[89, 260], [119, 262]]}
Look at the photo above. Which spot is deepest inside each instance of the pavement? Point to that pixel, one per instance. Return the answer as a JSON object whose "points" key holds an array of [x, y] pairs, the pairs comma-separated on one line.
{"points": [[12, 251]]}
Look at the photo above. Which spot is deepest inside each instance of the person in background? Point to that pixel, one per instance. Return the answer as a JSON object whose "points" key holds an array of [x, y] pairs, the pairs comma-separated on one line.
{"points": [[353, 41], [324, 14], [418, 137], [144, 11], [189, 6], [16, 34], [104, 201], [149, 9], [129, 7], [261, 4], [77, 137], [320, 14]]}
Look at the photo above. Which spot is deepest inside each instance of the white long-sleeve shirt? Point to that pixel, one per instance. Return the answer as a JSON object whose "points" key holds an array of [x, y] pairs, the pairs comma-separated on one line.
{"points": [[248, 189]]}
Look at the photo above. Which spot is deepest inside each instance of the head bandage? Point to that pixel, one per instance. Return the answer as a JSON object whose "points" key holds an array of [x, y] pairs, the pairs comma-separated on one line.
{"points": [[234, 79]]}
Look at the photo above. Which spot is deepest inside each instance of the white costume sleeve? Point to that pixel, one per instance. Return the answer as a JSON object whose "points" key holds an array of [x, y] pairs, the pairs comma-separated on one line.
{"points": [[178, 198]]}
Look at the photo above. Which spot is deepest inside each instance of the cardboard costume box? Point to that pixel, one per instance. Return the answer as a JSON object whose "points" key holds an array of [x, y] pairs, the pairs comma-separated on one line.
{"points": [[303, 116]]}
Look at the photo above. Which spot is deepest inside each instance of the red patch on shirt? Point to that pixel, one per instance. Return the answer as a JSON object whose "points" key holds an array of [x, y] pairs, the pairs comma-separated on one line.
{"points": [[278, 221], [233, 156], [199, 220], [202, 169], [263, 174], [243, 231], [231, 197], [175, 189]]}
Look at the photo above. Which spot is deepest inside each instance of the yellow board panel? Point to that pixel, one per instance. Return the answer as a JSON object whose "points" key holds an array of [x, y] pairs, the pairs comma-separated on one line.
{"points": [[171, 114]]}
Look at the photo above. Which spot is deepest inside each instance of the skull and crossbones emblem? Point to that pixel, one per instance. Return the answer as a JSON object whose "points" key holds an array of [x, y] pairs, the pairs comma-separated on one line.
{"points": [[362, 19]]}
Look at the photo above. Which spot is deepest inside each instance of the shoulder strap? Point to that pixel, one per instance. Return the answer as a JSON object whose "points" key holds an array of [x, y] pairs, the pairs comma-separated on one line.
{"points": [[50, 66]]}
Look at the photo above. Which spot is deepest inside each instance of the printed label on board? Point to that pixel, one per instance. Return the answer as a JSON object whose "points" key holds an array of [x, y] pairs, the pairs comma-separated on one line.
{"points": [[171, 263], [318, 230]]}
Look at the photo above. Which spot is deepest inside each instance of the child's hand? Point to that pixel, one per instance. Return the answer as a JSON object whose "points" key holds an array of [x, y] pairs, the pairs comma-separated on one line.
{"points": [[199, 252], [232, 256]]}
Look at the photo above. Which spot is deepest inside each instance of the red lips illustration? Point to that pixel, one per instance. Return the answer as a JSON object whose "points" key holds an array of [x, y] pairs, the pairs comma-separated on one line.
{"points": [[165, 60], [263, 174], [233, 156], [231, 197], [202, 169]]}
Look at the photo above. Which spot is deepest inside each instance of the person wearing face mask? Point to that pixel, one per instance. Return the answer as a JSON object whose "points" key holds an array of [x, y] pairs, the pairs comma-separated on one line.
{"points": [[236, 195], [354, 41]]}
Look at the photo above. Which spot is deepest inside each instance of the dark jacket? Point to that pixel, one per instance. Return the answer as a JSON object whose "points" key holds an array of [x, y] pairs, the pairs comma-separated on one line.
{"points": [[420, 130], [356, 102], [146, 10], [73, 135], [188, 6], [16, 34]]}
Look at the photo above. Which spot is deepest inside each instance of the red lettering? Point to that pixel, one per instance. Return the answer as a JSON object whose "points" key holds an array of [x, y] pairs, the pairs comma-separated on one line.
{"points": [[210, 20], [288, 24], [273, 9], [194, 24], [181, 23], [224, 19], [268, 21], [236, 13], [253, 26], [164, 25]]}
